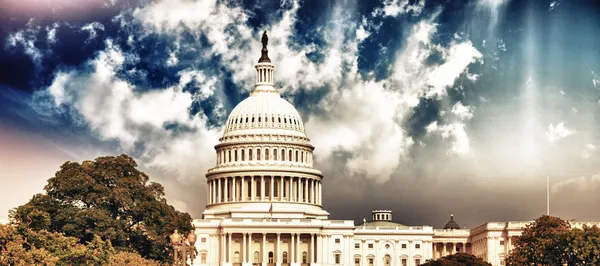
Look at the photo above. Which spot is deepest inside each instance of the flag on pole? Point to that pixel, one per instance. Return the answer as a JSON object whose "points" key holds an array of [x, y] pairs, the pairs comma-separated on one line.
{"points": [[271, 210]]}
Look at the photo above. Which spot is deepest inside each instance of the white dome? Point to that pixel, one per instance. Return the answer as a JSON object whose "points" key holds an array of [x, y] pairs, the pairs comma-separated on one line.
{"points": [[264, 113]]}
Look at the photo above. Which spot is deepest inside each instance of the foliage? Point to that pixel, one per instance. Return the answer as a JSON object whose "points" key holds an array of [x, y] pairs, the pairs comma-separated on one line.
{"points": [[458, 259], [29, 247], [551, 241], [107, 198], [131, 259]]}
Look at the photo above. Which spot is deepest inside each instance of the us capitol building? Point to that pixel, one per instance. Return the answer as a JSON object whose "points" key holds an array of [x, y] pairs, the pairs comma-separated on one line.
{"points": [[265, 202]]}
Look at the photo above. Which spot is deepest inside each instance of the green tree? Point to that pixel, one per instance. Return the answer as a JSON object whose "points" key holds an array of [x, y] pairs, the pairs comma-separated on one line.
{"points": [[582, 246], [458, 259], [29, 247], [107, 198], [541, 243]]}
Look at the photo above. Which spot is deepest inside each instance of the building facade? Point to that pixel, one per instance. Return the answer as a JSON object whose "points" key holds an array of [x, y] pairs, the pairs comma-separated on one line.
{"points": [[265, 206]]}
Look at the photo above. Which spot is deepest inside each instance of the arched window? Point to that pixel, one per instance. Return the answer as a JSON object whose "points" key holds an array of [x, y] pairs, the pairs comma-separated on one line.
{"points": [[285, 120], [270, 256], [304, 257], [284, 257], [253, 119], [279, 119], [272, 119], [243, 154], [203, 257], [236, 257], [267, 153], [290, 157], [256, 256], [257, 154], [282, 154], [302, 157], [296, 156], [250, 155], [229, 160], [246, 119], [387, 260], [274, 154], [259, 119], [236, 156], [276, 188]]}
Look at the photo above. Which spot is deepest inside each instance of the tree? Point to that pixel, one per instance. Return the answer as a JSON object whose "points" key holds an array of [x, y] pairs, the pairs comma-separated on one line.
{"points": [[107, 198], [582, 246], [29, 247], [458, 259]]}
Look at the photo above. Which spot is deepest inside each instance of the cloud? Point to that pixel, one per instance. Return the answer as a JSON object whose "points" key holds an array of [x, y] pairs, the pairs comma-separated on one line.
{"points": [[462, 112], [393, 8], [92, 29], [455, 132], [560, 131], [26, 38], [577, 185], [588, 151], [141, 122]]}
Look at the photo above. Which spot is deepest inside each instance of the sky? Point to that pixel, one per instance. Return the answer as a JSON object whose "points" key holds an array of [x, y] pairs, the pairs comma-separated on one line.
{"points": [[426, 108]]}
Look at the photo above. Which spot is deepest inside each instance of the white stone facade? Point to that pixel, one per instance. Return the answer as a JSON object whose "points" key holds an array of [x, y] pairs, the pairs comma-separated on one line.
{"points": [[265, 206]]}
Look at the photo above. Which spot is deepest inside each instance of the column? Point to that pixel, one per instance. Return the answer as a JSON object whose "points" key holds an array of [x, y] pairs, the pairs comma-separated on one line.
{"points": [[244, 249], [281, 179], [278, 254], [229, 249], [305, 190], [219, 190], [250, 255], [227, 187], [313, 190], [292, 248], [272, 197], [312, 248], [291, 190], [223, 248], [376, 262], [252, 189], [242, 187], [319, 249], [234, 188], [262, 188], [362, 253], [508, 244], [444, 249], [298, 248], [464, 250], [264, 249]]}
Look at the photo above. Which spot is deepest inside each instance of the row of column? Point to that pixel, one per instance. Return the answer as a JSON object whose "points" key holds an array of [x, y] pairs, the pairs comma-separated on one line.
{"points": [[264, 74], [258, 154], [247, 254], [261, 188], [445, 251]]}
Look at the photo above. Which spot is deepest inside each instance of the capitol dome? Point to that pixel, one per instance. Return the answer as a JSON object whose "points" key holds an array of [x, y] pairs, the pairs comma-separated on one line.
{"points": [[264, 161]]}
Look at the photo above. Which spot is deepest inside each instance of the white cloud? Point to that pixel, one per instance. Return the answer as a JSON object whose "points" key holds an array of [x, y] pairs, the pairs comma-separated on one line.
{"points": [[560, 131], [92, 29], [115, 110], [362, 117], [588, 151], [393, 8], [463, 112], [27, 38], [455, 133]]}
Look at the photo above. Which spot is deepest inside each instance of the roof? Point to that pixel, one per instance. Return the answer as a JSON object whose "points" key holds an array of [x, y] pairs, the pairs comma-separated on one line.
{"points": [[264, 113], [451, 224], [383, 224]]}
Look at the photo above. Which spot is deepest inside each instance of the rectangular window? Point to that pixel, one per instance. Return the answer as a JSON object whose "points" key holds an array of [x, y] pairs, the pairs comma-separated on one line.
{"points": [[337, 258], [417, 261], [417, 245], [501, 242], [356, 245], [370, 245], [403, 245], [337, 240], [203, 258], [356, 261], [203, 240], [404, 262], [370, 261]]}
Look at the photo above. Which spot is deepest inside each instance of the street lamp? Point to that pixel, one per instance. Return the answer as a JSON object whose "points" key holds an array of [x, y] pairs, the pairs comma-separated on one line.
{"points": [[182, 249]]}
